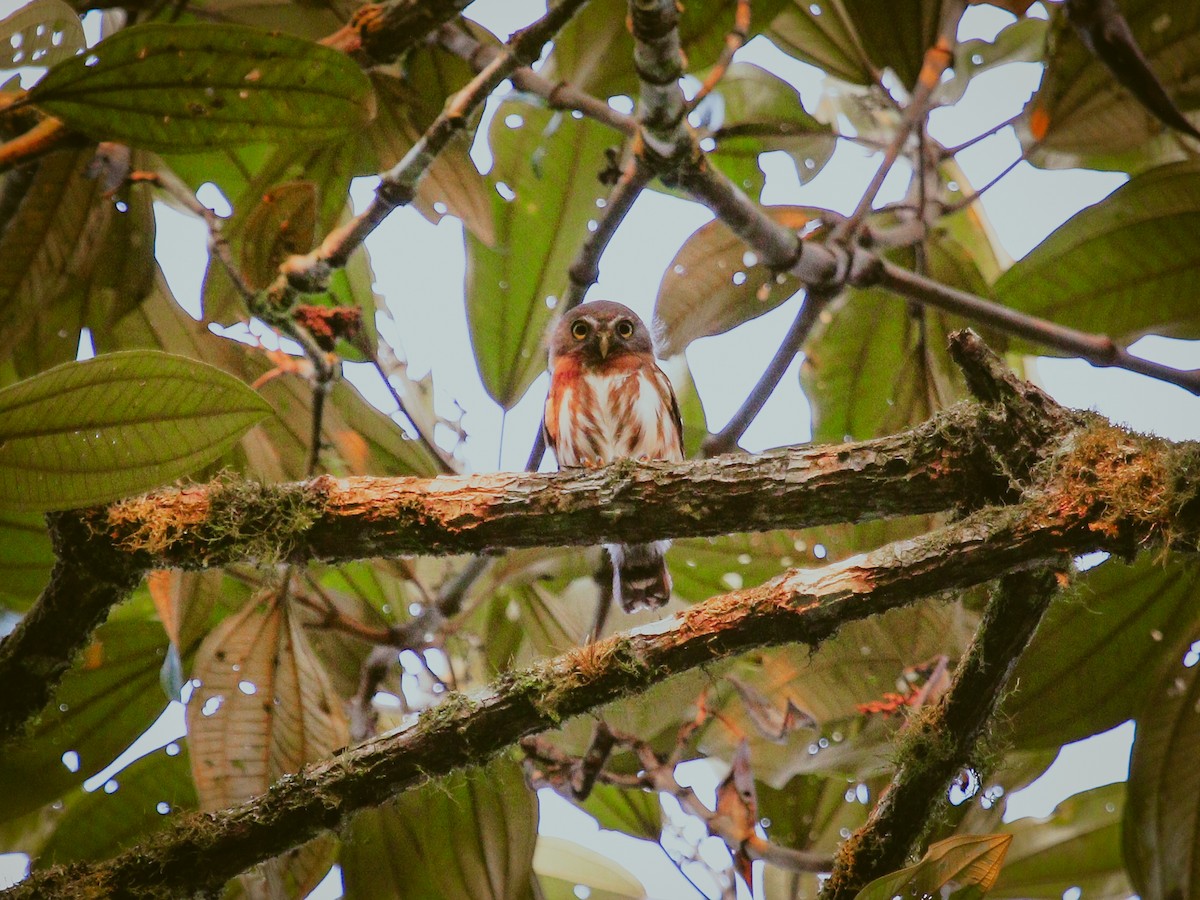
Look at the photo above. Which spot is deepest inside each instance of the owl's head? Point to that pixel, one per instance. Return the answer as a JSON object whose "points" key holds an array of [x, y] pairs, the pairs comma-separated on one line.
{"points": [[597, 330]]}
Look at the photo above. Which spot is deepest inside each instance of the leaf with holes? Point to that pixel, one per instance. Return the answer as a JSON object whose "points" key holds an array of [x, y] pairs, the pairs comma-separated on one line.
{"points": [[963, 861], [1126, 267], [89, 432], [715, 283], [183, 87], [146, 797], [108, 698], [263, 708], [753, 111], [545, 197], [40, 33]]}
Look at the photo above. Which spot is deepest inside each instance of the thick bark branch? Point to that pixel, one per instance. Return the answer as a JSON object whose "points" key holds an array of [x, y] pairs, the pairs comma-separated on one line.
{"points": [[1090, 486], [87, 580], [952, 460], [203, 850]]}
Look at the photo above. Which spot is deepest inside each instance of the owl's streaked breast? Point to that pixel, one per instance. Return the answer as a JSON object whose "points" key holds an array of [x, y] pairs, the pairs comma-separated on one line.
{"points": [[616, 414]]}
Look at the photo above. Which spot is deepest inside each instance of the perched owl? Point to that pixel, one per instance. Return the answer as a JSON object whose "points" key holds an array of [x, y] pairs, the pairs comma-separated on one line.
{"points": [[609, 400]]}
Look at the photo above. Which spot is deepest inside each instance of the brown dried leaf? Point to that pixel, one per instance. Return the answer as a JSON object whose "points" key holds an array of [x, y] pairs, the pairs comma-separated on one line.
{"points": [[773, 724], [263, 708], [715, 283]]}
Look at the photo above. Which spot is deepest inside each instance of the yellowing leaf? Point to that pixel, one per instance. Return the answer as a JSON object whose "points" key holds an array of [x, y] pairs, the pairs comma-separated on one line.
{"points": [[961, 861], [40, 33], [264, 707]]}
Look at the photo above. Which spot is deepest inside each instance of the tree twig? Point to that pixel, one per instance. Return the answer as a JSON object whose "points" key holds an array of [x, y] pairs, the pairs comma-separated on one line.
{"points": [[1098, 349], [734, 41], [810, 313], [309, 273], [937, 59], [558, 95]]}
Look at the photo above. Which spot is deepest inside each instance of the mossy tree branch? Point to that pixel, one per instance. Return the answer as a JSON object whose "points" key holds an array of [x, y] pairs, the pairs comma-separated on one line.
{"points": [[203, 850], [941, 740], [1087, 486]]}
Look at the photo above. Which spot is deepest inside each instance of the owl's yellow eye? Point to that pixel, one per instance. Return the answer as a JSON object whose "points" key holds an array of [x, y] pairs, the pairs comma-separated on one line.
{"points": [[580, 330], [625, 329]]}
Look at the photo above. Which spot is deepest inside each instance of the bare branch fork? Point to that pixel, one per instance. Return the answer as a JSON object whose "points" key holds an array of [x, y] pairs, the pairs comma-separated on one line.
{"points": [[1077, 505]]}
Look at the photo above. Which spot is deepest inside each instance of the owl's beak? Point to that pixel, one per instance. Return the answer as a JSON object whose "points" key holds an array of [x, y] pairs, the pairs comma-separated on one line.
{"points": [[603, 336]]}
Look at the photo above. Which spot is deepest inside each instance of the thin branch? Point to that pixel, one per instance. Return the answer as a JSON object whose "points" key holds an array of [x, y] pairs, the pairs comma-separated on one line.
{"points": [[558, 95], [971, 142], [734, 41], [941, 741], [1099, 350], [309, 273], [444, 462], [658, 60], [937, 59], [810, 313], [966, 201]]}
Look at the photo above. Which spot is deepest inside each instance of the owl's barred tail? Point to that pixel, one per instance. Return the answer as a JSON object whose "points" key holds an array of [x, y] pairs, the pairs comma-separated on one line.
{"points": [[640, 575]]}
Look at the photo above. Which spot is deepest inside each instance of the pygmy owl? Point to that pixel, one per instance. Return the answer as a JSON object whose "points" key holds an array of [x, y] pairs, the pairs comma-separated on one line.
{"points": [[609, 400]]}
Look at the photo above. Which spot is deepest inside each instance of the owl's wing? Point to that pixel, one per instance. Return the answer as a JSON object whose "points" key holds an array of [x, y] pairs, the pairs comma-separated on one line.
{"points": [[671, 404]]}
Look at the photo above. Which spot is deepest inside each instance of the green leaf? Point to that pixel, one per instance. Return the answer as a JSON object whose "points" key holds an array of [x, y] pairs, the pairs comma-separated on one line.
{"points": [[1126, 266], [25, 558], [89, 432], [468, 836], [1078, 846], [547, 160], [1100, 651], [40, 33], [561, 865], [638, 813], [875, 366], [96, 825], [186, 87], [962, 861], [1081, 116], [359, 438], [762, 112], [809, 812], [109, 697], [72, 257], [853, 39], [1162, 818], [284, 222], [716, 283]]}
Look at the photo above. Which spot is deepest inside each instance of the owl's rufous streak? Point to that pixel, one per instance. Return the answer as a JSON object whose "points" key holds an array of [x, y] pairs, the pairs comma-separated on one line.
{"points": [[609, 400]]}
